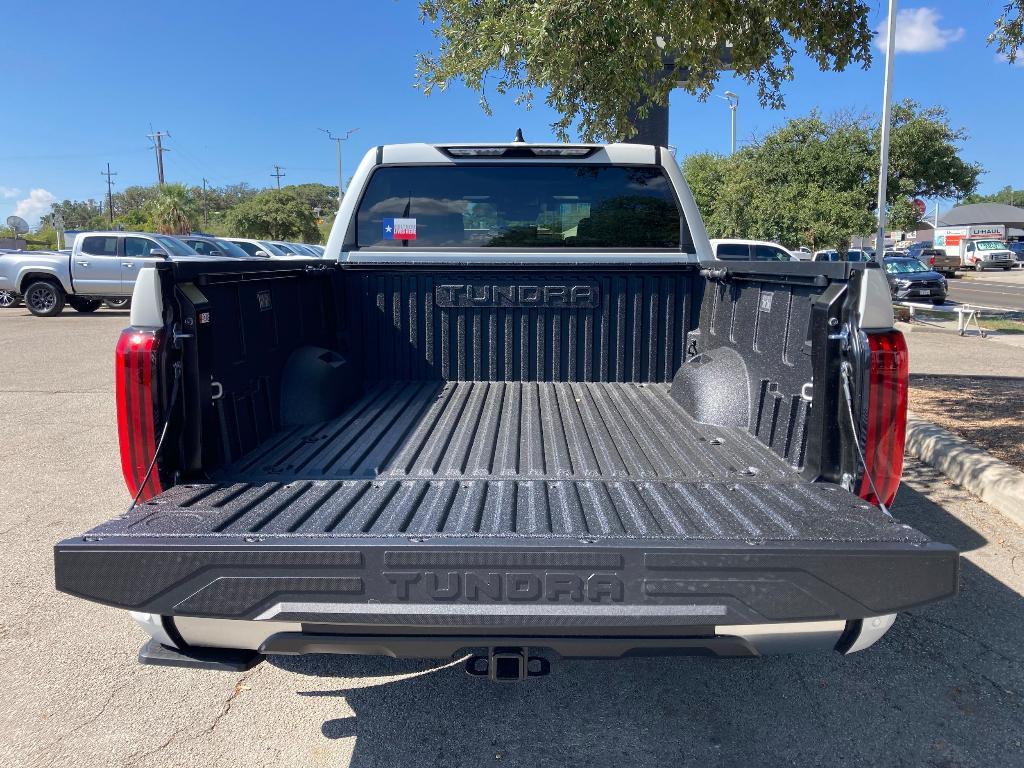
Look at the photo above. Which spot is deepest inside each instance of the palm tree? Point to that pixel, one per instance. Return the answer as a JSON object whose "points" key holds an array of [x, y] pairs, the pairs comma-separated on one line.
{"points": [[174, 210]]}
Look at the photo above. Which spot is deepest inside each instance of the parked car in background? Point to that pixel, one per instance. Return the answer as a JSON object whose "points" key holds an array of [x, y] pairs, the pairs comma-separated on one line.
{"points": [[983, 254], [207, 245], [1018, 250], [914, 251], [101, 266], [911, 280], [306, 250], [749, 250], [940, 261], [979, 246], [854, 254], [264, 249], [295, 250], [8, 296]]}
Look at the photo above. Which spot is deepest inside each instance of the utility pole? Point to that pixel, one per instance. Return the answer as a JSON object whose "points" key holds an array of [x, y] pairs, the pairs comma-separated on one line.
{"points": [[883, 169], [277, 174], [734, 102], [337, 140], [206, 210], [110, 194], [157, 137]]}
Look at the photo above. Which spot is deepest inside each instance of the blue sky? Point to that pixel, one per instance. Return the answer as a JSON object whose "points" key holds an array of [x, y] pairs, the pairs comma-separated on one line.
{"points": [[244, 85]]}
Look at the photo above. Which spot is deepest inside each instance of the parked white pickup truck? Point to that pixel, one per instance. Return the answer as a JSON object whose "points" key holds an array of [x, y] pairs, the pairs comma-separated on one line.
{"points": [[101, 266]]}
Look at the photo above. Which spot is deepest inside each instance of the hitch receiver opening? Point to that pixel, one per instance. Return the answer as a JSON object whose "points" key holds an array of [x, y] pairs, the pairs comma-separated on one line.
{"points": [[507, 665]]}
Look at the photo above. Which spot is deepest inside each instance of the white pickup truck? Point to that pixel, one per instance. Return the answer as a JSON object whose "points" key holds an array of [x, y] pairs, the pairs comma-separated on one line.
{"points": [[101, 266], [518, 409]]}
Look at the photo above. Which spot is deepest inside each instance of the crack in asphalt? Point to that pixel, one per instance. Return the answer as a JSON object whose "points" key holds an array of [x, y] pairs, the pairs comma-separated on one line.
{"points": [[140, 755]]}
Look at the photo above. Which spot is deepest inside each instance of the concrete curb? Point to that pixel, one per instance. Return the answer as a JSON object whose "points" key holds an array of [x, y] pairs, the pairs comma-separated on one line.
{"points": [[981, 473]]}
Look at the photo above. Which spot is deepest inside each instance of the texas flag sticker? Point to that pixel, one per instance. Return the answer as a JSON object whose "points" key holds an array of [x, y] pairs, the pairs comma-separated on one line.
{"points": [[399, 229]]}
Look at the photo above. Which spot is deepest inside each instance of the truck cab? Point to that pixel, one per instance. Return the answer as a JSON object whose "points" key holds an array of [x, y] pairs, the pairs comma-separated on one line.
{"points": [[987, 254]]}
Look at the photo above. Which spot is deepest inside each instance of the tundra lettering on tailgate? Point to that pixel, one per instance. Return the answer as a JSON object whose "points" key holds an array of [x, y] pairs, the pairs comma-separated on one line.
{"points": [[494, 293], [493, 587]]}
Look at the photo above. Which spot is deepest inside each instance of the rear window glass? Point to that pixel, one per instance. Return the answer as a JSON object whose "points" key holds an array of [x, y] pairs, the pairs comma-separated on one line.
{"points": [[520, 206]]}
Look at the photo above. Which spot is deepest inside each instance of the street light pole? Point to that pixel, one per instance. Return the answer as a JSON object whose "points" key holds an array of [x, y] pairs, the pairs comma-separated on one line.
{"points": [[337, 140], [883, 169], [734, 102]]}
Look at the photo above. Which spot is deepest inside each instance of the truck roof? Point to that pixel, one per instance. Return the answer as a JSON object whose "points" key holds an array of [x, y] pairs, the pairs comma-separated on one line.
{"points": [[639, 154]]}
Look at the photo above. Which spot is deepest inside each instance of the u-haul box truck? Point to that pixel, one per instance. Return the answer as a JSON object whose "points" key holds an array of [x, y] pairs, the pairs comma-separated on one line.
{"points": [[978, 246]]}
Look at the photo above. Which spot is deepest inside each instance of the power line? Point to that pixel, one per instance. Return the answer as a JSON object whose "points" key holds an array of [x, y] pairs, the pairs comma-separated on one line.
{"points": [[277, 174], [157, 137], [110, 193]]}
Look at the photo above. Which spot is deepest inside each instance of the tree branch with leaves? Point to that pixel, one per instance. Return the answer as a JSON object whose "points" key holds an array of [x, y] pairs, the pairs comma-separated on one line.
{"points": [[595, 58]]}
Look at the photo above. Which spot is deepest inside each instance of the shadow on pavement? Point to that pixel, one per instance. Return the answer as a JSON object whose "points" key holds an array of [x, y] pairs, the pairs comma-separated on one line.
{"points": [[942, 688]]}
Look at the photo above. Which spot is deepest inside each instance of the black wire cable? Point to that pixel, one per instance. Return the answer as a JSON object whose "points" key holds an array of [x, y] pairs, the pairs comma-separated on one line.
{"points": [[163, 435], [856, 440]]}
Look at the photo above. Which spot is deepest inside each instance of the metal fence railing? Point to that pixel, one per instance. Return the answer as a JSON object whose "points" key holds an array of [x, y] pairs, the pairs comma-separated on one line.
{"points": [[965, 314]]}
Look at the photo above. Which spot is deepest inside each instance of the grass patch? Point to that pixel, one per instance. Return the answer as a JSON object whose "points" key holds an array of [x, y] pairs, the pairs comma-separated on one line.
{"points": [[1002, 325]]}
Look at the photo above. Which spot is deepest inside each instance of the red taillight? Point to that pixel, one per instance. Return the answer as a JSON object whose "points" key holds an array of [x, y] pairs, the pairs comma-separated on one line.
{"points": [[136, 432], [931, 260], [888, 381]]}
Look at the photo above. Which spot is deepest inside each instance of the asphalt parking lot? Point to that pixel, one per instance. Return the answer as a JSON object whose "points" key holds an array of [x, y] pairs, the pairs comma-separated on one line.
{"points": [[991, 288], [943, 688]]}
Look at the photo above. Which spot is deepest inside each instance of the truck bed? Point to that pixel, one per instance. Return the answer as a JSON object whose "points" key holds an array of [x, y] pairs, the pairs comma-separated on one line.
{"points": [[514, 504]]}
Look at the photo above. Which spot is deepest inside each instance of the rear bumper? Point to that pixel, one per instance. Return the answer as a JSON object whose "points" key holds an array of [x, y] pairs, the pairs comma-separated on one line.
{"points": [[280, 638], [920, 293], [507, 586]]}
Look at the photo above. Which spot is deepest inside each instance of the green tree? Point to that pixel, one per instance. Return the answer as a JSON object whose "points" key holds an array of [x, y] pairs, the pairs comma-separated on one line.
{"points": [[320, 198], [1007, 196], [594, 58], [77, 214], [173, 211], [274, 214], [813, 181], [139, 220], [1008, 34], [133, 199], [924, 157]]}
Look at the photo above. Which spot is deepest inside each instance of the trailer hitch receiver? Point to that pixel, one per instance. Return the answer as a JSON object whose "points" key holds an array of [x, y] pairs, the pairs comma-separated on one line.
{"points": [[506, 665]]}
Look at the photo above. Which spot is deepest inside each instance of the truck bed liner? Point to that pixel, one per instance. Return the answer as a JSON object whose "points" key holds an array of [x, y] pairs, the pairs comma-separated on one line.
{"points": [[509, 505], [530, 459], [530, 430]]}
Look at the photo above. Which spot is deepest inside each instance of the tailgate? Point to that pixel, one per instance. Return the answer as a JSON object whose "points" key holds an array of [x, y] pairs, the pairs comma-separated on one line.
{"points": [[516, 553]]}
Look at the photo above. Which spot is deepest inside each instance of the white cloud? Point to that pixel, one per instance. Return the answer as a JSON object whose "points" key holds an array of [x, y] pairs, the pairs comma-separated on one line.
{"points": [[1018, 61], [35, 205], [8, 192], [918, 31]]}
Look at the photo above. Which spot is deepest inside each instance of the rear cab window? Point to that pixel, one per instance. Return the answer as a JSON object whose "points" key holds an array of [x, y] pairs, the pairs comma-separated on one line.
{"points": [[521, 206]]}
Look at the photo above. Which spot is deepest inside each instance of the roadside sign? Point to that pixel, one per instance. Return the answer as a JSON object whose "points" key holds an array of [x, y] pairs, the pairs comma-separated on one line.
{"points": [[919, 207]]}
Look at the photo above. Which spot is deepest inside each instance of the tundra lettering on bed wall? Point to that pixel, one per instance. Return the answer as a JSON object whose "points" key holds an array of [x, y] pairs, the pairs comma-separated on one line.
{"points": [[526, 587], [576, 295]]}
